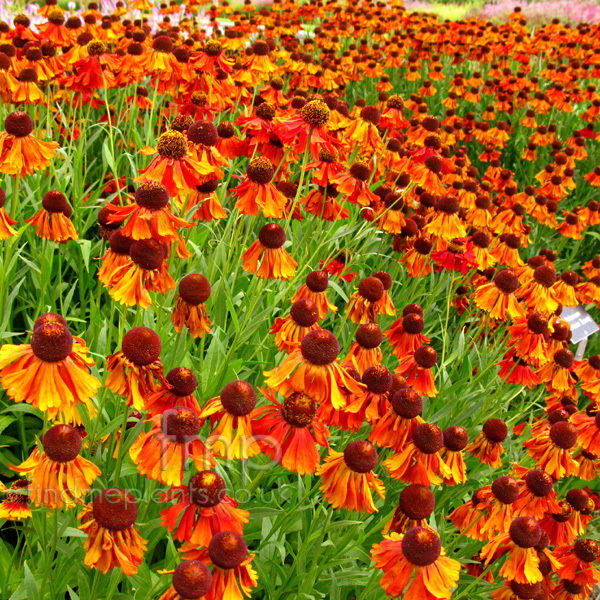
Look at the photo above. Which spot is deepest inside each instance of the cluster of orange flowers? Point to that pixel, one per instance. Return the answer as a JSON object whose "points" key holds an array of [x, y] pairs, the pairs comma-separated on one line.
{"points": [[282, 108]]}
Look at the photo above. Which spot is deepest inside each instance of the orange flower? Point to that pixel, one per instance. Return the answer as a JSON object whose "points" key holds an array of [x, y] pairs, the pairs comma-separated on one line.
{"points": [[116, 256], [395, 428], [339, 417], [52, 372], [112, 540], [229, 412], [53, 221], [21, 153], [190, 308], [363, 132], [445, 223], [578, 562], [348, 479], [417, 368], [136, 370], [537, 496], [6, 223], [315, 289], [176, 390], [551, 449], [455, 441], [191, 578], [205, 202], [161, 453], [290, 330], [15, 503], [588, 431], [416, 259], [419, 552], [487, 446], [558, 372], [420, 459], [174, 167], [276, 262], [150, 216], [523, 564], [365, 352], [559, 525], [528, 337], [59, 476], [498, 297], [538, 293], [257, 191], [373, 403], [233, 576], [289, 433], [354, 184], [415, 505], [313, 370], [205, 510], [404, 334], [363, 305], [147, 271]]}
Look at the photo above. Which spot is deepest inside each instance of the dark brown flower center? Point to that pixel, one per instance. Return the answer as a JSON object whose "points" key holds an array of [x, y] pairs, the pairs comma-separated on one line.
{"points": [[192, 579], [317, 281], [227, 549], [495, 430], [525, 532], [421, 546], [369, 336], [115, 509], [526, 591], [260, 170], [506, 281], [172, 144], [506, 489], [182, 379], [207, 489], [320, 347], [428, 438], [238, 398], [578, 498], [51, 342], [194, 289], [18, 123], [141, 346], [586, 550], [545, 276], [316, 113], [299, 410], [152, 195], [304, 312], [56, 202], [180, 424], [62, 443], [407, 403], [371, 288], [539, 482], [147, 254], [456, 438], [272, 236], [413, 323], [360, 456], [378, 379], [416, 501], [563, 434], [425, 357]]}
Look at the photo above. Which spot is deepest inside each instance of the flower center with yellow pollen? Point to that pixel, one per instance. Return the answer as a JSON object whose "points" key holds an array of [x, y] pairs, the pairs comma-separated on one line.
{"points": [[172, 144], [299, 410]]}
